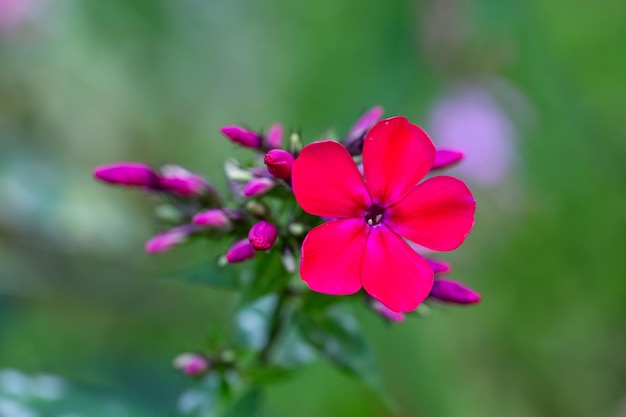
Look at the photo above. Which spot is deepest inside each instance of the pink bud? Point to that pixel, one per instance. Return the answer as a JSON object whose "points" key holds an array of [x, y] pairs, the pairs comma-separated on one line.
{"points": [[257, 186], [212, 218], [439, 266], [453, 292], [262, 235], [128, 174], [166, 240], [386, 312], [365, 122], [191, 363], [242, 136], [240, 251], [445, 158], [181, 182], [279, 163], [274, 137]]}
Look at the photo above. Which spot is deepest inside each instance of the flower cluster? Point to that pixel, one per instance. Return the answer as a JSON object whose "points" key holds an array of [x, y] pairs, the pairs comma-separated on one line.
{"points": [[356, 215]]}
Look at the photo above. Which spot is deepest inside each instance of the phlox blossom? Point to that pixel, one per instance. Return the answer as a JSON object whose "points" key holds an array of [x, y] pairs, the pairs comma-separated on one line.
{"points": [[364, 246]]}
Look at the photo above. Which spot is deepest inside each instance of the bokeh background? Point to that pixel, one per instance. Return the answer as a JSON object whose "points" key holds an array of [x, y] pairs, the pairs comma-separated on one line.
{"points": [[534, 91]]}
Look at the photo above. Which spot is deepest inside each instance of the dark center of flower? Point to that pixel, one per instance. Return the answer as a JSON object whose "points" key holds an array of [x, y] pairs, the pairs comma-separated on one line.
{"points": [[374, 215]]}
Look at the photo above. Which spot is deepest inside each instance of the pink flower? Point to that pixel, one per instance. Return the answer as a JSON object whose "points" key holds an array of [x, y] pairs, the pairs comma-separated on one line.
{"points": [[166, 240], [386, 313], [258, 186], [262, 235], [454, 292], [179, 181], [274, 137], [240, 251], [279, 163], [128, 174], [364, 246], [191, 363], [216, 218], [244, 137]]}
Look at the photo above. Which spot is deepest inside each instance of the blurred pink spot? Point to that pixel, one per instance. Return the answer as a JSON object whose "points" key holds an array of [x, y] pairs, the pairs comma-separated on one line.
{"points": [[14, 13], [469, 119]]}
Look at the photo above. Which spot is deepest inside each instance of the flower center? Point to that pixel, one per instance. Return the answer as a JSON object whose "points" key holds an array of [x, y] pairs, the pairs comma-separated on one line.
{"points": [[374, 215]]}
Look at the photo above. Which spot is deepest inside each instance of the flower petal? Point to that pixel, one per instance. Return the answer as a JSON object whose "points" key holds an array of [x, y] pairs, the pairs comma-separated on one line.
{"points": [[331, 256], [437, 214], [393, 273], [326, 181], [396, 156]]}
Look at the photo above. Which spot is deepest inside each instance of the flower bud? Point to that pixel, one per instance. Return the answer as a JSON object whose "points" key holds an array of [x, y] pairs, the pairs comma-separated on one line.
{"points": [[181, 182], [453, 292], [128, 174], [191, 363], [364, 123], [256, 208], [386, 312], [235, 173], [258, 186], [216, 218], [166, 240], [240, 251], [295, 143], [262, 235], [242, 136], [274, 137], [445, 158], [279, 163], [439, 266]]}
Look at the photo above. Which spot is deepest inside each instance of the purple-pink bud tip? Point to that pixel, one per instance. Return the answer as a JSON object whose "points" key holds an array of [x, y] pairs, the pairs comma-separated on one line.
{"points": [[453, 292], [279, 163], [364, 123], [262, 235], [445, 158], [191, 363], [242, 136], [179, 181], [274, 137], [257, 186], [240, 251], [212, 218], [386, 312], [166, 240], [439, 266], [128, 174]]}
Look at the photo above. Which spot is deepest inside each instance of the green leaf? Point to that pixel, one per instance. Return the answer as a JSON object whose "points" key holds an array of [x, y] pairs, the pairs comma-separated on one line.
{"points": [[336, 337], [252, 322], [246, 405], [269, 276]]}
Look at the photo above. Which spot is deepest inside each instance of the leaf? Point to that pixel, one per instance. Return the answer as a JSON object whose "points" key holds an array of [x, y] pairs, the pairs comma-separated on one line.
{"points": [[336, 337], [268, 374], [246, 405], [252, 321], [269, 276]]}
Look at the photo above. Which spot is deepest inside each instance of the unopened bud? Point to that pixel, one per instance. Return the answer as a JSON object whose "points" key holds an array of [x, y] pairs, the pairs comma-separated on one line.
{"points": [[453, 292], [274, 137], [289, 260], [445, 158], [128, 174], [295, 143], [354, 139], [216, 218], [258, 186], [166, 240], [386, 312], [297, 229], [191, 363], [244, 137], [240, 251], [179, 181], [279, 163], [256, 208], [235, 173], [439, 266], [262, 235]]}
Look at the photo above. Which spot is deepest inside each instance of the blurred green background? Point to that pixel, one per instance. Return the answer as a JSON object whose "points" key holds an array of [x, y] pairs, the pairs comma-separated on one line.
{"points": [[535, 89]]}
